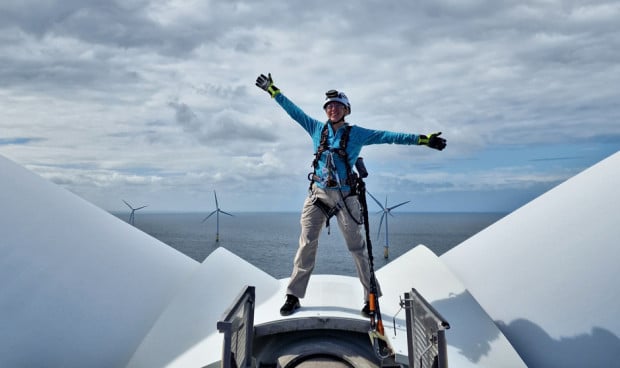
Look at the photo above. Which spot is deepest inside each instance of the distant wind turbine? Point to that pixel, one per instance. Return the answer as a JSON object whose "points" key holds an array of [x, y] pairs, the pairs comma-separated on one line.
{"points": [[133, 210], [386, 211], [217, 216]]}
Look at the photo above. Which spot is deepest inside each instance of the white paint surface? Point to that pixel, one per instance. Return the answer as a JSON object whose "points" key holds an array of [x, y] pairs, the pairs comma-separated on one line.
{"points": [[78, 287], [547, 273]]}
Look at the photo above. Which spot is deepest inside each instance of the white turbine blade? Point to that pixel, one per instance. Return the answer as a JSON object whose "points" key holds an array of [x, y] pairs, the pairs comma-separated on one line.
{"points": [[217, 206], [211, 214], [398, 205], [128, 205], [139, 208], [373, 197], [226, 213], [380, 223]]}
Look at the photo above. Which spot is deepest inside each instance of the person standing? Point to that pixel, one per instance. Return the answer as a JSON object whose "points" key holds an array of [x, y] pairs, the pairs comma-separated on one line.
{"points": [[337, 146]]}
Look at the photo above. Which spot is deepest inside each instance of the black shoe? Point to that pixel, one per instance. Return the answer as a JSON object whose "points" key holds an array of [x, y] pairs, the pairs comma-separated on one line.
{"points": [[366, 310], [291, 304]]}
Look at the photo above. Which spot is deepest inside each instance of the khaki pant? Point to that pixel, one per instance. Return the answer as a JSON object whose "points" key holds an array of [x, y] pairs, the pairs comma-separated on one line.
{"points": [[312, 222]]}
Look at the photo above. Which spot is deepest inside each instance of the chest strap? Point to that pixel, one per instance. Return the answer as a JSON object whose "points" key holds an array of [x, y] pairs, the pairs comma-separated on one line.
{"points": [[341, 151]]}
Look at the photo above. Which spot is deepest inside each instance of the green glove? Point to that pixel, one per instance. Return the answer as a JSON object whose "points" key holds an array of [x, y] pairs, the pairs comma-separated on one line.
{"points": [[266, 83], [433, 141]]}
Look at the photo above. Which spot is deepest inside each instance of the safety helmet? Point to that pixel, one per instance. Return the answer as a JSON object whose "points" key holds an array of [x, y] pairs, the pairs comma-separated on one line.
{"points": [[333, 95]]}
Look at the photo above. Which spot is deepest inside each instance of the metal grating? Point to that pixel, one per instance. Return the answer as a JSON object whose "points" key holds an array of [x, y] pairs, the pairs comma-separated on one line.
{"points": [[425, 333]]}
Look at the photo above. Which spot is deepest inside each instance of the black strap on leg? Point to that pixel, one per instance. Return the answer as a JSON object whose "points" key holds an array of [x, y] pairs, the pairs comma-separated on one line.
{"points": [[328, 211]]}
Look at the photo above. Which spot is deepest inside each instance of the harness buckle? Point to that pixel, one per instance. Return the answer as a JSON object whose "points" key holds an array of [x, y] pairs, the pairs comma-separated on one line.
{"points": [[329, 182]]}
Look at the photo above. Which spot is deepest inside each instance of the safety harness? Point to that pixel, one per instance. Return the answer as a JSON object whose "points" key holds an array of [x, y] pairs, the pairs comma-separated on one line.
{"points": [[351, 179], [340, 151]]}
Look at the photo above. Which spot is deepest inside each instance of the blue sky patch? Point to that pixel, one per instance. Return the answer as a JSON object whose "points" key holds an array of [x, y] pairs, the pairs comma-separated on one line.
{"points": [[18, 141]]}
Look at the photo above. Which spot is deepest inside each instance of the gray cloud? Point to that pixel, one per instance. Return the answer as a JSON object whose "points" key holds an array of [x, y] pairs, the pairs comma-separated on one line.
{"points": [[107, 88], [220, 128]]}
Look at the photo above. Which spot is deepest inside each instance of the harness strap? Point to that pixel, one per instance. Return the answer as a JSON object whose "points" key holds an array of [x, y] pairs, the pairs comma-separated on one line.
{"points": [[340, 151], [329, 212]]}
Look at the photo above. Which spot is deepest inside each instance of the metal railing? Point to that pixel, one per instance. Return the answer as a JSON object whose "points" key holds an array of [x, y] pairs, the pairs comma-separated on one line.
{"points": [[425, 333], [237, 325]]}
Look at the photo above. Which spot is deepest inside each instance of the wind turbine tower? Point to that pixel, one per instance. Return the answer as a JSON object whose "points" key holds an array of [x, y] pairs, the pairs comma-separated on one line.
{"points": [[133, 210], [386, 211], [217, 216]]}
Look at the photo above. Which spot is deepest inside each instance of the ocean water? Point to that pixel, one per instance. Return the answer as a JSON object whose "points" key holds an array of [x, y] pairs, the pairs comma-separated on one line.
{"points": [[268, 240]]}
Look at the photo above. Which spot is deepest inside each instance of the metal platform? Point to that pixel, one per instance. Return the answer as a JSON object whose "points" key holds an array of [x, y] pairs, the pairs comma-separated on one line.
{"points": [[324, 342]]}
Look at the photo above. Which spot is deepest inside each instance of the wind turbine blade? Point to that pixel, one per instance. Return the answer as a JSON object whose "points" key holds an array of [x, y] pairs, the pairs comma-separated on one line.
{"points": [[373, 197], [211, 214], [398, 205], [128, 205], [139, 208], [380, 223], [217, 206], [226, 213]]}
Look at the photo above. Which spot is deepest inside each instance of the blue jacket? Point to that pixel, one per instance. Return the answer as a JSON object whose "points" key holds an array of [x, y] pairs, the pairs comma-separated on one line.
{"points": [[358, 137]]}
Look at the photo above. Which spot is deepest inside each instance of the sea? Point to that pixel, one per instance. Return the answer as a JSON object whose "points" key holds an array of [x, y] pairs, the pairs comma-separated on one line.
{"points": [[269, 240]]}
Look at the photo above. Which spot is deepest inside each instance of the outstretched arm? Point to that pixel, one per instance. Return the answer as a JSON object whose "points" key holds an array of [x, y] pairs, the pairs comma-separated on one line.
{"points": [[308, 123], [370, 136]]}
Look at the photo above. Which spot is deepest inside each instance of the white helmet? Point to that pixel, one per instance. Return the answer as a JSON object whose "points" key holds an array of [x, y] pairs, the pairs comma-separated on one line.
{"points": [[333, 95]]}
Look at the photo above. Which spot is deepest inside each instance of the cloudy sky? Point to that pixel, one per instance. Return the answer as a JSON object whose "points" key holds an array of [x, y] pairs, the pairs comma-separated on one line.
{"points": [[154, 102]]}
